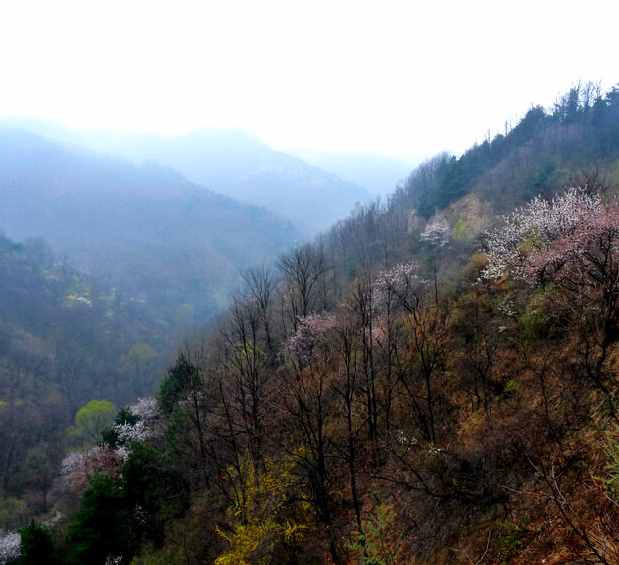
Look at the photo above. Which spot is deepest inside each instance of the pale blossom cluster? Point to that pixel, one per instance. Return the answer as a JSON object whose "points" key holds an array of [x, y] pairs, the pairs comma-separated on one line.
{"points": [[128, 433], [10, 547], [507, 308], [580, 253], [309, 329], [398, 281], [79, 466], [534, 228], [147, 425], [145, 408], [378, 332], [437, 232]]}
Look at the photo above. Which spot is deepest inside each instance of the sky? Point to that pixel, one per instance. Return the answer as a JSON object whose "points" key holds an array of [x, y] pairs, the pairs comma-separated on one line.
{"points": [[399, 78]]}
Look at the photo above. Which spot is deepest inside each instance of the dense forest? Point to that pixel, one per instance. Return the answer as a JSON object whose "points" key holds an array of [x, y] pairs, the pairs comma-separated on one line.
{"points": [[64, 340], [432, 380]]}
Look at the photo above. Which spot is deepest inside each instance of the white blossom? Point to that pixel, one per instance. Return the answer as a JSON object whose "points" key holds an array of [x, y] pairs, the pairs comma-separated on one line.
{"points": [[534, 227], [128, 432], [145, 408], [437, 232], [78, 466], [10, 547], [396, 282]]}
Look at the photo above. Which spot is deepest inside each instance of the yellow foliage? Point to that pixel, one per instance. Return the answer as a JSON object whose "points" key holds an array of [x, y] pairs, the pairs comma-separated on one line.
{"points": [[262, 518]]}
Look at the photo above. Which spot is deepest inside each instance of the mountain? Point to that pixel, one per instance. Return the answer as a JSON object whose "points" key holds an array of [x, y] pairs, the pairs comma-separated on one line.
{"points": [[377, 173], [64, 339], [404, 390], [434, 381], [146, 229], [236, 164]]}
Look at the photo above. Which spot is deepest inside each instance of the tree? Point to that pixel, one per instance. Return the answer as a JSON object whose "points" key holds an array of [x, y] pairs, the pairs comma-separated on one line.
{"points": [[91, 420], [571, 242], [101, 529], [303, 269], [37, 546]]}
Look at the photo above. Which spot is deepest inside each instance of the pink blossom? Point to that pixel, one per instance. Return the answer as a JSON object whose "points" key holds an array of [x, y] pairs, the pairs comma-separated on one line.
{"points": [[530, 231], [79, 466], [309, 329], [580, 250]]}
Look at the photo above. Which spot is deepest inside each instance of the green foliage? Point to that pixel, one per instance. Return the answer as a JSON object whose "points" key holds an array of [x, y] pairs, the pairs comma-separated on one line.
{"points": [[461, 231], [511, 387], [12, 512], [542, 319], [37, 546], [375, 545], [523, 163], [109, 436], [91, 421], [102, 526], [54, 355], [180, 378], [153, 485], [118, 515]]}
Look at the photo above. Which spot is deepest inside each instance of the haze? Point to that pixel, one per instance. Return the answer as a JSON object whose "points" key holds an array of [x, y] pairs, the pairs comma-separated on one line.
{"points": [[401, 79]]}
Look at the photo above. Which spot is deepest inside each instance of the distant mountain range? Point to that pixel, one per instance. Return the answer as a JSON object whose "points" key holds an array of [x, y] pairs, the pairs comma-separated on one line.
{"points": [[377, 173], [146, 229], [235, 164]]}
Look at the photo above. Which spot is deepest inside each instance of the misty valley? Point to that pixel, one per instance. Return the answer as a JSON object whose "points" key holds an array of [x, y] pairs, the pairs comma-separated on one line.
{"points": [[292, 283]]}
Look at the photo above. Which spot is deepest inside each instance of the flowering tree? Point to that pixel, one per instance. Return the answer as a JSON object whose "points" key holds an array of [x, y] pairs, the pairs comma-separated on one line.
{"points": [[138, 423], [143, 425], [571, 241], [437, 232], [540, 234], [397, 283], [79, 466], [10, 547], [309, 329], [145, 408]]}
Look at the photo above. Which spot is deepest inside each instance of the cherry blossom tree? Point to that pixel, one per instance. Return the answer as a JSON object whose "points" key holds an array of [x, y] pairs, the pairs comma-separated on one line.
{"points": [[147, 423], [571, 241], [538, 234], [309, 329], [79, 466]]}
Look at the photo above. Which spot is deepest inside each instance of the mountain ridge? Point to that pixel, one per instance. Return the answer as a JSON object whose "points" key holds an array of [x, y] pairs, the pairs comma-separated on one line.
{"points": [[235, 164]]}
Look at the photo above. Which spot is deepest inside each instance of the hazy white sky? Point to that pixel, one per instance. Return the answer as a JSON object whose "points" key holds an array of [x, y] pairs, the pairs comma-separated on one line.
{"points": [[402, 78]]}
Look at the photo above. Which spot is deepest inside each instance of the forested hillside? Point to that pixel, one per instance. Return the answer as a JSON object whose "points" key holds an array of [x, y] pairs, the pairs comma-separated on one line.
{"points": [[146, 230], [237, 165], [64, 340], [579, 135], [433, 380]]}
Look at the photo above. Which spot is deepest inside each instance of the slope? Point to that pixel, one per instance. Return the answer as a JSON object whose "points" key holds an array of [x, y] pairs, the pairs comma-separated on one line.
{"points": [[235, 164], [144, 229]]}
